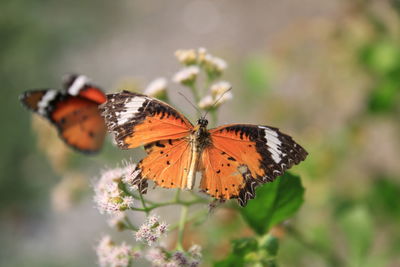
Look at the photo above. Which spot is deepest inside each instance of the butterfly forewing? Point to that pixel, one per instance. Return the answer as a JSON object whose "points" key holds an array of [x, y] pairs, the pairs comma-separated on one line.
{"points": [[259, 153], [137, 120]]}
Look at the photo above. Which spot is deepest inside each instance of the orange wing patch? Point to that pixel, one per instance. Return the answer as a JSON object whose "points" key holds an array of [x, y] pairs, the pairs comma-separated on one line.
{"points": [[167, 164], [79, 123], [221, 177], [137, 120], [93, 93]]}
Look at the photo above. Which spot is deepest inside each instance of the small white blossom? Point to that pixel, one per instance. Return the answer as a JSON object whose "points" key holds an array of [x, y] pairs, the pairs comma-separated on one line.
{"points": [[108, 196], [180, 258], [195, 251], [156, 88], [214, 65], [220, 88], [206, 102], [151, 231], [186, 57], [129, 175], [187, 75], [201, 54], [111, 255], [158, 257], [223, 98], [216, 62]]}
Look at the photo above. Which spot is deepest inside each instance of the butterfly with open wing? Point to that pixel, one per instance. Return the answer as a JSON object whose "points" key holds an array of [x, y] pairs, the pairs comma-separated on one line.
{"points": [[73, 111], [233, 159]]}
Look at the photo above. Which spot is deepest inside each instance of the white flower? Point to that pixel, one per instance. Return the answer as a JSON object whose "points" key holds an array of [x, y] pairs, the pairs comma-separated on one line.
{"points": [[111, 255], [158, 257], [223, 98], [151, 230], [108, 196], [195, 251], [186, 57], [129, 175], [206, 102], [220, 88], [214, 65], [201, 52], [218, 63], [187, 75], [156, 88]]}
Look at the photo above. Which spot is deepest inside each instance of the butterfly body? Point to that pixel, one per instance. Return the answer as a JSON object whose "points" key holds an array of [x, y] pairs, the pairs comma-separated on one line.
{"points": [[73, 111], [233, 159]]}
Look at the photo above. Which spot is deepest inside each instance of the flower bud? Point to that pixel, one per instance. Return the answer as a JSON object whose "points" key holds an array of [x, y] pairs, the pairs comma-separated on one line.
{"points": [[206, 102], [186, 57], [220, 88], [187, 75], [157, 88]]}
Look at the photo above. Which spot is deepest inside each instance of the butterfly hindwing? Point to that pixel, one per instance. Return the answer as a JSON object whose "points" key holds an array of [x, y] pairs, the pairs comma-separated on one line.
{"points": [[167, 164], [79, 123], [258, 153], [74, 112], [137, 120]]}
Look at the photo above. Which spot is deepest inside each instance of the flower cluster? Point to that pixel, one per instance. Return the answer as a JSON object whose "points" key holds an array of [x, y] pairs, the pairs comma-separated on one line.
{"points": [[219, 94], [109, 196], [110, 254], [161, 258], [194, 60], [187, 76], [151, 230]]}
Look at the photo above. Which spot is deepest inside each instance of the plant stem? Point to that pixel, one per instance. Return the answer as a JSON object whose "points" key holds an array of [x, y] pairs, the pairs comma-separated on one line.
{"points": [[145, 209], [181, 227]]}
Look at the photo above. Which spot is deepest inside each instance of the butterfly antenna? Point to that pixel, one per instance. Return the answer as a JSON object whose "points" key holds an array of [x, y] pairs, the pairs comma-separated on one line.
{"points": [[216, 101], [190, 102]]}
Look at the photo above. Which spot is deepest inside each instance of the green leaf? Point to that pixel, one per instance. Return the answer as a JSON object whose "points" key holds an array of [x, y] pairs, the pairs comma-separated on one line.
{"points": [[244, 246], [384, 198], [231, 261], [384, 97], [274, 203], [271, 244], [381, 57]]}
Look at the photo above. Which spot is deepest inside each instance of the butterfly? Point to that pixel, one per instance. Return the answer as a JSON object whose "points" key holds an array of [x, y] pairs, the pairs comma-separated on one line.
{"points": [[73, 111], [233, 159]]}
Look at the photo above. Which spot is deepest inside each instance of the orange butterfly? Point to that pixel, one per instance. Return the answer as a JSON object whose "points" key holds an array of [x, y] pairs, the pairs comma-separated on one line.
{"points": [[74, 111], [233, 159]]}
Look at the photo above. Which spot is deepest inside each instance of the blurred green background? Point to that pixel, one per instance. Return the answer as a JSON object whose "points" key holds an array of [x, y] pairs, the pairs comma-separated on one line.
{"points": [[327, 72]]}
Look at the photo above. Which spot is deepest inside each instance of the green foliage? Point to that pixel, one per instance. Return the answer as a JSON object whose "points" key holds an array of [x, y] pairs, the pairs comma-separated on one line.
{"points": [[274, 203], [382, 60], [384, 198], [253, 252], [357, 226]]}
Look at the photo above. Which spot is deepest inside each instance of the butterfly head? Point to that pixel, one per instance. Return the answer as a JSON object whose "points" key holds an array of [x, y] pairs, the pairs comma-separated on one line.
{"points": [[202, 122]]}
